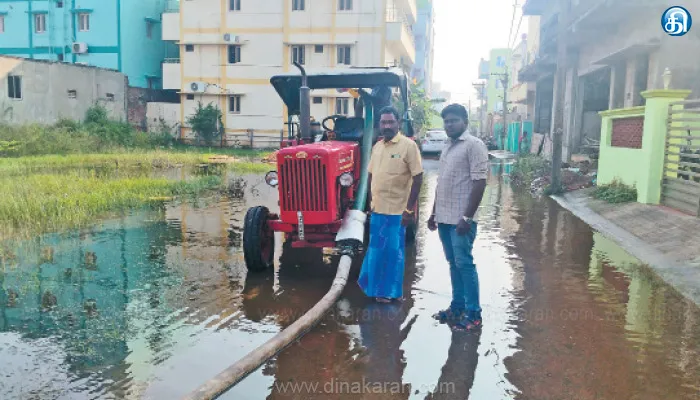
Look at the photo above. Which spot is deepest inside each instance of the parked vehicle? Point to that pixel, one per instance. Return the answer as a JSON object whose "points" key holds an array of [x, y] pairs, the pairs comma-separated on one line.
{"points": [[433, 141], [318, 181]]}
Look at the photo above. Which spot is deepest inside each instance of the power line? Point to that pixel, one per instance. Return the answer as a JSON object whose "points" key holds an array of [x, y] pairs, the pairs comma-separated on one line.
{"points": [[512, 21], [517, 31]]}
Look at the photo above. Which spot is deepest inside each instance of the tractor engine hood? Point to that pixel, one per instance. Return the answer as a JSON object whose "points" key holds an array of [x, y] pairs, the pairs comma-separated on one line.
{"points": [[309, 188]]}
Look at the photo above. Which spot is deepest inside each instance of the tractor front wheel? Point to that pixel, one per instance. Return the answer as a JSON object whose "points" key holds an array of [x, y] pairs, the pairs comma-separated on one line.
{"points": [[258, 240]]}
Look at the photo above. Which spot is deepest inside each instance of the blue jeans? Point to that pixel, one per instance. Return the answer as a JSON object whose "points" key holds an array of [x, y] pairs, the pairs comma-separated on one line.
{"points": [[465, 279]]}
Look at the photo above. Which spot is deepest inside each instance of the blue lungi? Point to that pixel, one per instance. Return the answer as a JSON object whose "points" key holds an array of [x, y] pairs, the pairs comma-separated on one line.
{"points": [[383, 267]]}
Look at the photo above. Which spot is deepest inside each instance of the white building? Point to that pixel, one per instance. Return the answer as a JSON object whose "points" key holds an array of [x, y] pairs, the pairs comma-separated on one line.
{"points": [[229, 49], [43, 91]]}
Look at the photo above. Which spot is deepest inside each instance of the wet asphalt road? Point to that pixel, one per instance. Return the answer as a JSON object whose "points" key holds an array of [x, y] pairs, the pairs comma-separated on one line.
{"points": [[567, 315]]}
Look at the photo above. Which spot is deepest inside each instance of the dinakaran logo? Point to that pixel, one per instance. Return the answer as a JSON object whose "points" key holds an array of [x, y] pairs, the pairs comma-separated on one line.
{"points": [[676, 21]]}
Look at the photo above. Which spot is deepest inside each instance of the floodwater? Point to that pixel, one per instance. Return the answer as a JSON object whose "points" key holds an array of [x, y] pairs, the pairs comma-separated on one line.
{"points": [[153, 304]]}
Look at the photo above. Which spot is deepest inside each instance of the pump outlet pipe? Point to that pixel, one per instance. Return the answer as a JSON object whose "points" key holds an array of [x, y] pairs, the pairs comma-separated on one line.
{"points": [[349, 239]]}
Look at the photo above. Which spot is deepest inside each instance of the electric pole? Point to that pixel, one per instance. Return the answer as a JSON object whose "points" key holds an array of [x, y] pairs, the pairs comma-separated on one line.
{"points": [[559, 88], [480, 89], [505, 81]]}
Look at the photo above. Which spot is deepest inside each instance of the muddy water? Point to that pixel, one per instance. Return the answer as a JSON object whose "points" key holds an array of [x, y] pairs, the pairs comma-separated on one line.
{"points": [[151, 305]]}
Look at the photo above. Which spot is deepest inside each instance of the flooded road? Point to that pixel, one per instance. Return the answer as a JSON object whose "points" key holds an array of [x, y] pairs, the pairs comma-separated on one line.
{"points": [[151, 305]]}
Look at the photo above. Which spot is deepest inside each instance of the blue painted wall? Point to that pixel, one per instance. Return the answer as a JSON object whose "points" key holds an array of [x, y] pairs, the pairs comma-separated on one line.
{"points": [[117, 37], [423, 33]]}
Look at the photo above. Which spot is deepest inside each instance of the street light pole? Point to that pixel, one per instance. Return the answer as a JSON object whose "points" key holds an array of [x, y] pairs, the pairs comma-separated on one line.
{"points": [[480, 89], [560, 83], [505, 79]]}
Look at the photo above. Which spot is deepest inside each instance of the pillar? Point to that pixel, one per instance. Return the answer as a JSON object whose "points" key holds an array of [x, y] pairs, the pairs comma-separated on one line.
{"points": [[654, 142], [630, 82]]}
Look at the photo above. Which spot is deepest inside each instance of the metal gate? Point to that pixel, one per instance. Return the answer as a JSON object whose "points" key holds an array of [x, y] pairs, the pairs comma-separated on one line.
{"points": [[680, 187]]}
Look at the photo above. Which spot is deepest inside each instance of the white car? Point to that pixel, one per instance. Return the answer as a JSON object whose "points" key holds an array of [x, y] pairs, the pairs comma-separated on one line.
{"points": [[433, 141]]}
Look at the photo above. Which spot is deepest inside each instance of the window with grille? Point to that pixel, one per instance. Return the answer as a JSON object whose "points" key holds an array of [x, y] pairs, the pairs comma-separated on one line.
{"points": [[72, 94], [298, 54], [14, 87], [234, 5], [298, 5], [344, 57], [344, 5], [40, 23], [234, 54], [83, 22], [234, 104], [190, 97], [318, 100], [342, 106]]}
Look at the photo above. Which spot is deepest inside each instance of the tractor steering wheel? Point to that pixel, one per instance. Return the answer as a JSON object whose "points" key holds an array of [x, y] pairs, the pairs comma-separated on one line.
{"points": [[335, 118]]}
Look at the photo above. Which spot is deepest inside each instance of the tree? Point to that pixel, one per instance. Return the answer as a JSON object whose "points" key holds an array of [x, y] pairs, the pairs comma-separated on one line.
{"points": [[206, 123], [422, 110]]}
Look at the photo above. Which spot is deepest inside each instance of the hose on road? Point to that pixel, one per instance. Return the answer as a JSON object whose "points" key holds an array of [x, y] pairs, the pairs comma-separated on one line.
{"points": [[236, 372]]}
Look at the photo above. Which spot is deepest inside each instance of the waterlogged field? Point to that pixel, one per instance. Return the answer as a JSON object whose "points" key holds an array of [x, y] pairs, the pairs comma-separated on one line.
{"points": [[50, 193]]}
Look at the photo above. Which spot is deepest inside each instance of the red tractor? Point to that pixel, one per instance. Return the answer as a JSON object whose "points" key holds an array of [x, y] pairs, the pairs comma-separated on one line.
{"points": [[322, 180]]}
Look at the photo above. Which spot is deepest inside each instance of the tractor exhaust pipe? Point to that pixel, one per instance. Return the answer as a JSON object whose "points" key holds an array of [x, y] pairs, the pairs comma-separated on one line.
{"points": [[304, 104], [349, 239]]}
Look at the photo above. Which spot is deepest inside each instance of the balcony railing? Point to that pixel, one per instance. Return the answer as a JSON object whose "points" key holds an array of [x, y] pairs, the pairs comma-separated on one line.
{"points": [[394, 14]]}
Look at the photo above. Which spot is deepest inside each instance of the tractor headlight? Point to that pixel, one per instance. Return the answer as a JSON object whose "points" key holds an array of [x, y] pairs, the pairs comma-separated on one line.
{"points": [[346, 179], [272, 179]]}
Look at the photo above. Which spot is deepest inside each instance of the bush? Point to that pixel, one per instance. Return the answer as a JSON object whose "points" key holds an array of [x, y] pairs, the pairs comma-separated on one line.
{"points": [[529, 167], [616, 192], [206, 123], [96, 134]]}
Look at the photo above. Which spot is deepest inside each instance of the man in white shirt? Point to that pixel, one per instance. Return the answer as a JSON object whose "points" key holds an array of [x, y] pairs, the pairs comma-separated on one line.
{"points": [[461, 184]]}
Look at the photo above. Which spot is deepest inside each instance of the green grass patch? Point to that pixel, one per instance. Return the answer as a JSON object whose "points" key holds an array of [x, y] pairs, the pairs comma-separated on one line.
{"points": [[616, 192], [97, 134], [43, 203], [157, 159]]}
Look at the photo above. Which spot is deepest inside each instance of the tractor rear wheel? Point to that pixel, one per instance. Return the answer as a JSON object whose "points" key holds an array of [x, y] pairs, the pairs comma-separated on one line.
{"points": [[258, 240]]}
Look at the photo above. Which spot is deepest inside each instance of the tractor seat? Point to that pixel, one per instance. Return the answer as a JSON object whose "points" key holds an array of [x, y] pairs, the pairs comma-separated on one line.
{"points": [[349, 129]]}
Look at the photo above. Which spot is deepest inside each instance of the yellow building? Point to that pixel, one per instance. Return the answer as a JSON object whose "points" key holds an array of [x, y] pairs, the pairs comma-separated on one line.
{"points": [[229, 49]]}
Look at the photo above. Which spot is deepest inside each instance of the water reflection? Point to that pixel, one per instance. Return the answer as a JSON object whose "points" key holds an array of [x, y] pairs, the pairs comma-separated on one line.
{"points": [[151, 305], [601, 311]]}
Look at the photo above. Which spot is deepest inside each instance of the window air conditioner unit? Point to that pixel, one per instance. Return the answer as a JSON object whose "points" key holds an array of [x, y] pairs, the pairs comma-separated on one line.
{"points": [[229, 38], [198, 87], [79, 48]]}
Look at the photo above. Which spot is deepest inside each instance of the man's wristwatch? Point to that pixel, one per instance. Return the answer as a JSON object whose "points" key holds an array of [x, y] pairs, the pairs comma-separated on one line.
{"points": [[468, 220]]}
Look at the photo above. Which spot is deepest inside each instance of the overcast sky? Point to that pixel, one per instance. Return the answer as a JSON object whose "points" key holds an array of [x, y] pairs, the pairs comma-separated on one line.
{"points": [[465, 31]]}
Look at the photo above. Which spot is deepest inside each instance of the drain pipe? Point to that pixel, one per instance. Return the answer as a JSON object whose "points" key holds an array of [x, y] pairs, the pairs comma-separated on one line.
{"points": [[349, 240]]}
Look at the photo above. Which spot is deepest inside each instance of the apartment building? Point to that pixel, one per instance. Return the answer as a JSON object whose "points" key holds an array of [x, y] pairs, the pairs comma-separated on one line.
{"points": [[494, 70], [123, 35], [229, 49], [424, 31], [521, 98]]}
